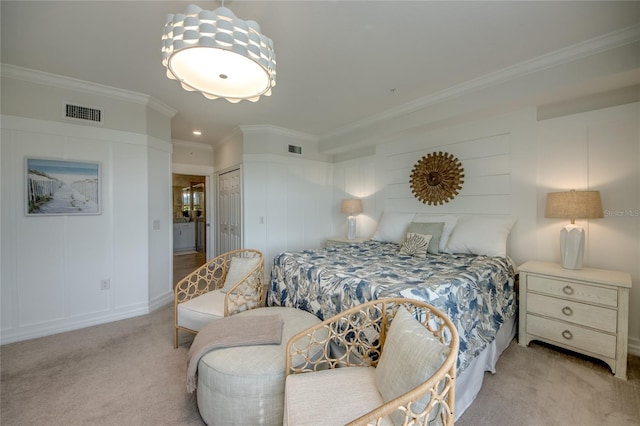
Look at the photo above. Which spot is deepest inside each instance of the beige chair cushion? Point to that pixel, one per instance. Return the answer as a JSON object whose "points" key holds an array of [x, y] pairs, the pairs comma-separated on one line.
{"points": [[410, 356], [330, 397], [238, 268], [199, 311]]}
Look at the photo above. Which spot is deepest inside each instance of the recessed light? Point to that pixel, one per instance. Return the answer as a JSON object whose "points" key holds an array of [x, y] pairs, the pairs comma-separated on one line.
{"points": [[197, 132]]}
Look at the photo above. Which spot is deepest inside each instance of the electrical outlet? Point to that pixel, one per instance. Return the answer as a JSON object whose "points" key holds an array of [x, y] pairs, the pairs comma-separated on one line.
{"points": [[105, 284]]}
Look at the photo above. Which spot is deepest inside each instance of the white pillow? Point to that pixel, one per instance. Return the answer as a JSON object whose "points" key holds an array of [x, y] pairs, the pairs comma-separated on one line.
{"points": [[238, 268], [393, 227], [449, 221], [483, 235], [411, 355], [416, 245]]}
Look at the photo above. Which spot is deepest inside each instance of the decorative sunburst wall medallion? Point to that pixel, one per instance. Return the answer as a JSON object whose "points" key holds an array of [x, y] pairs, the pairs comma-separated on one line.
{"points": [[437, 178]]}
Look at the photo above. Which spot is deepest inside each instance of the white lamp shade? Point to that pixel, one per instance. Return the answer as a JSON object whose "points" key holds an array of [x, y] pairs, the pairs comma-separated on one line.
{"points": [[218, 54]]}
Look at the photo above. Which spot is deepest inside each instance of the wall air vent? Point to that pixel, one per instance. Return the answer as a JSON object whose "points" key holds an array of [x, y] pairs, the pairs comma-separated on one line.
{"points": [[83, 113], [295, 149]]}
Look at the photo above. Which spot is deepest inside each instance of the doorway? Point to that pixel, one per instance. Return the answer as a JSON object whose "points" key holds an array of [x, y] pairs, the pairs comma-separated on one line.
{"points": [[189, 223]]}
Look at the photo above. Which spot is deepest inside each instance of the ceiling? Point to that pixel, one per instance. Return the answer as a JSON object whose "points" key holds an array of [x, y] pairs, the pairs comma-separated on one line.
{"points": [[338, 62]]}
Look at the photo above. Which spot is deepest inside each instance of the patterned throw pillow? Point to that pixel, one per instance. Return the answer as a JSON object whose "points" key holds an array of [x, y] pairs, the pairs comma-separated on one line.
{"points": [[416, 245]]}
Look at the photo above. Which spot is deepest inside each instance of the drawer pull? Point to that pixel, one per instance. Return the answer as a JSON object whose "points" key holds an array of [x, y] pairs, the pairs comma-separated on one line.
{"points": [[567, 335], [567, 289], [567, 311]]}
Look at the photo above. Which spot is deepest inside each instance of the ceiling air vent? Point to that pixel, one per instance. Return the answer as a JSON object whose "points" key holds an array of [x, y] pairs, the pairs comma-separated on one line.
{"points": [[83, 113], [295, 149]]}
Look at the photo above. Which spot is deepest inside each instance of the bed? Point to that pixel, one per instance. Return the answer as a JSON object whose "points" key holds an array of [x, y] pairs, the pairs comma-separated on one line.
{"points": [[466, 274]]}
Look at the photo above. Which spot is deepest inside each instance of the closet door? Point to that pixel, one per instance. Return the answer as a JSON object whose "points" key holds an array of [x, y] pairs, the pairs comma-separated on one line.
{"points": [[229, 211]]}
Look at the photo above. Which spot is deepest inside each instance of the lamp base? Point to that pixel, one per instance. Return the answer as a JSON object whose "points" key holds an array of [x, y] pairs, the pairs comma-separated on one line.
{"points": [[572, 246], [351, 228]]}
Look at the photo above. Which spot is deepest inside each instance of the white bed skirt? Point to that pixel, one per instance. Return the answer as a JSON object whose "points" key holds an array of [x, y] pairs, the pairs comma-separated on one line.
{"points": [[468, 383]]}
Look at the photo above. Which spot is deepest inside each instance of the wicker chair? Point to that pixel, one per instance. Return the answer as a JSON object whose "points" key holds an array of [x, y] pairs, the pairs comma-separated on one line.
{"points": [[230, 283], [422, 386]]}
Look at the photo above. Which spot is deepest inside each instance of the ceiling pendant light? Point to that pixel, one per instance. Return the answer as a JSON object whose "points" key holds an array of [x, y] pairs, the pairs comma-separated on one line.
{"points": [[218, 54]]}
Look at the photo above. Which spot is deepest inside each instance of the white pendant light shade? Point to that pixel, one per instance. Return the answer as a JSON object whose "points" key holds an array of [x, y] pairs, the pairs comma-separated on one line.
{"points": [[219, 55]]}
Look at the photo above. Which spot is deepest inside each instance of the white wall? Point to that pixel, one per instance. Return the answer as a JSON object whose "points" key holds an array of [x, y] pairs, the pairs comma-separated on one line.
{"points": [[355, 178], [52, 265], [287, 204], [597, 150], [159, 223], [287, 198], [192, 154], [228, 153]]}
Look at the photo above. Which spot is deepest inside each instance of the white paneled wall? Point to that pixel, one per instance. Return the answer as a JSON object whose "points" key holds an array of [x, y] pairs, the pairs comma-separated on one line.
{"points": [[52, 266], [597, 150], [287, 203], [355, 179], [159, 223]]}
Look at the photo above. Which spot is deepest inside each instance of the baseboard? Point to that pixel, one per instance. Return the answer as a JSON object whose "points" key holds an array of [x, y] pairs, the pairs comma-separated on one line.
{"points": [[69, 324], [634, 346], [161, 301]]}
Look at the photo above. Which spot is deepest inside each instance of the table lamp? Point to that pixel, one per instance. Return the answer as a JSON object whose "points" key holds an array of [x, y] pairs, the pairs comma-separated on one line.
{"points": [[573, 205], [351, 206]]}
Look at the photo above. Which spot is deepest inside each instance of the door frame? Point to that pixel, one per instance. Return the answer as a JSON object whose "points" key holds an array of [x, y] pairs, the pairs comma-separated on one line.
{"points": [[207, 172]]}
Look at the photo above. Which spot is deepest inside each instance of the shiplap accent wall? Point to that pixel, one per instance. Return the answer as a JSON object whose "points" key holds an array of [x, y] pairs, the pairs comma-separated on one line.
{"points": [[498, 155], [487, 175]]}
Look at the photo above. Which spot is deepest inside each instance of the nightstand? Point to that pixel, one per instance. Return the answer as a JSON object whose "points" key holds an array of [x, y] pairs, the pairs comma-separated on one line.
{"points": [[334, 241], [585, 310]]}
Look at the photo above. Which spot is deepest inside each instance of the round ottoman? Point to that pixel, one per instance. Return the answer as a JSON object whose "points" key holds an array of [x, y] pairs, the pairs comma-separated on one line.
{"points": [[244, 385]]}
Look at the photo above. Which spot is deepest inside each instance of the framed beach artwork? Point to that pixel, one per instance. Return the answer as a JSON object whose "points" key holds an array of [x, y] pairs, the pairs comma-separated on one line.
{"points": [[61, 187]]}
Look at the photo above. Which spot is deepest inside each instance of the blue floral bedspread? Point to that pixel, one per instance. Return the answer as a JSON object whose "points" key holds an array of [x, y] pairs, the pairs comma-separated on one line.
{"points": [[476, 292]]}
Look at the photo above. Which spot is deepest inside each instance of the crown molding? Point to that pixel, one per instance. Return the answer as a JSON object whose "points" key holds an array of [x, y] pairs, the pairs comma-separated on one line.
{"points": [[569, 54], [69, 83], [160, 107]]}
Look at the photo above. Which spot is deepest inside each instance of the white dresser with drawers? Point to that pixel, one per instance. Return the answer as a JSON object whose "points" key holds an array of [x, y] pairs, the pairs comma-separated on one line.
{"points": [[585, 311]]}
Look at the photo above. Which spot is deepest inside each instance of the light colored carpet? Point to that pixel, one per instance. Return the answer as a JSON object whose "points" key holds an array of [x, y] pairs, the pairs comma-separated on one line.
{"points": [[121, 373], [127, 373], [541, 385]]}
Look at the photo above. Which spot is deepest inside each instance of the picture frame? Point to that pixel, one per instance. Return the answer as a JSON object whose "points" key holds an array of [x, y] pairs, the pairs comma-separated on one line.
{"points": [[61, 187]]}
